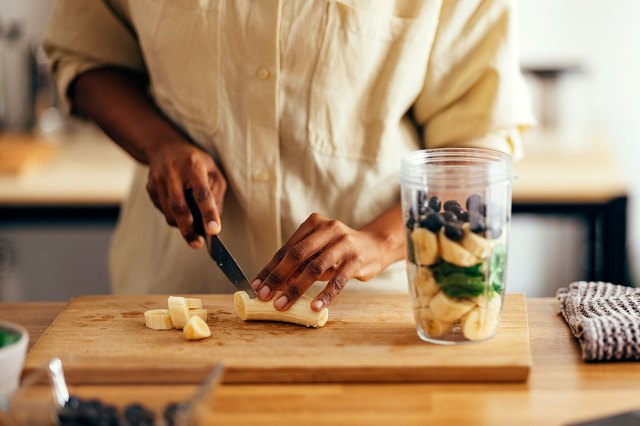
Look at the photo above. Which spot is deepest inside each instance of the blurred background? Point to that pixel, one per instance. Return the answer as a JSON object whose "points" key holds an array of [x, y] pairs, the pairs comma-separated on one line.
{"points": [[575, 201]]}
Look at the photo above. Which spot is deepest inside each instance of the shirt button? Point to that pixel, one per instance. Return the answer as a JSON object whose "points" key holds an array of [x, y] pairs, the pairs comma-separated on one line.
{"points": [[261, 176], [263, 73]]}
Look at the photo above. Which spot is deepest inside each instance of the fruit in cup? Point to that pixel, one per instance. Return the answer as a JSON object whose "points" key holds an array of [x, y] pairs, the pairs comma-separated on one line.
{"points": [[460, 266]]}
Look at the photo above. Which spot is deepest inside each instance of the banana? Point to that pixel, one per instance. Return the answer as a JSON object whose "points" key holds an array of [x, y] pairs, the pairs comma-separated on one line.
{"points": [[432, 324], [196, 329], [158, 319], [300, 313], [194, 303], [477, 245], [179, 310], [448, 309], [202, 313], [493, 299], [425, 246], [479, 324], [424, 283], [453, 252], [482, 321]]}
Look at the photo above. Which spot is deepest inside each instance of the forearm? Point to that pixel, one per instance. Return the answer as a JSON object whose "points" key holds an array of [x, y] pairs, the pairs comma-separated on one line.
{"points": [[117, 101], [388, 228]]}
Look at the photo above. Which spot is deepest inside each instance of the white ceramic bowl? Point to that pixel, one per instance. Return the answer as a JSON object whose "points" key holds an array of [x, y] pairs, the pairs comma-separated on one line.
{"points": [[11, 360]]}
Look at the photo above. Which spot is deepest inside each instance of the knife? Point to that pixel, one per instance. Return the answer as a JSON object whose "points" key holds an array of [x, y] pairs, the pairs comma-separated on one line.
{"points": [[217, 251]]}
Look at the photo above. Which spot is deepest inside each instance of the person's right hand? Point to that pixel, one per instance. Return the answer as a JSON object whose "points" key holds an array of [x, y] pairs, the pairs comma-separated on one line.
{"points": [[175, 167]]}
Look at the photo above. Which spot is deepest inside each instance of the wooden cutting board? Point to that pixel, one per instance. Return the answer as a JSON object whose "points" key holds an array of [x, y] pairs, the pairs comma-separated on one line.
{"points": [[369, 338]]}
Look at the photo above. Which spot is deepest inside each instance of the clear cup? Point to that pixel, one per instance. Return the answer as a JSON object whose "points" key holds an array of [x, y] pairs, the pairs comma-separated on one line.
{"points": [[456, 204]]}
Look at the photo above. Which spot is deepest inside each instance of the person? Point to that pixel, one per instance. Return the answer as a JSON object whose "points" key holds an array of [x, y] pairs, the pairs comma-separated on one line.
{"points": [[287, 119]]}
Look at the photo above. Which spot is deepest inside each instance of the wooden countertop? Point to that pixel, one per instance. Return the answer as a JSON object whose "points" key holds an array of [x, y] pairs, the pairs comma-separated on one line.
{"points": [[86, 169], [561, 388], [586, 177]]}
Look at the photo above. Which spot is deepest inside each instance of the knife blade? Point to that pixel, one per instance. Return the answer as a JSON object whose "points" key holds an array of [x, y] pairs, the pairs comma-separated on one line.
{"points": [[217, 250]]}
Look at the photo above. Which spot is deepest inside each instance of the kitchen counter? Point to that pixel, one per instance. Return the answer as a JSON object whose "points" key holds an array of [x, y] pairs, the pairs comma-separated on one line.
{"points": [[561, 388], [86, 169]]}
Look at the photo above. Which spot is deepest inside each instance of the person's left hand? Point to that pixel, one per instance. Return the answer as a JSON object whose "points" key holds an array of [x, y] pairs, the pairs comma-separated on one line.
{"points": [[321, 249]]}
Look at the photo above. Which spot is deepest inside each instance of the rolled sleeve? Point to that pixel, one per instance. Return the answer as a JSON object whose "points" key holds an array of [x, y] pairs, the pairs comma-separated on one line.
{"points": [[88, 34], [474, 93]]}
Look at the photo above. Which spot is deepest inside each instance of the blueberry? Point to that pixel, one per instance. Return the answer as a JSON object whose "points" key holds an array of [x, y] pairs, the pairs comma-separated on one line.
{"points": [[424, 211], [421, 198], [69, 416], [410, 223], [73, 402], [448, 205], [109, 416], [483, 209], [449, 216], [464, 216], [474, 201], [433, 222], [453, 231], [170, 413], [476, 223], [435, 203], [457, 210]]}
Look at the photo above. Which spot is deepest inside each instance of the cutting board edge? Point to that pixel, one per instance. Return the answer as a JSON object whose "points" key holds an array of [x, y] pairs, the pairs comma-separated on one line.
{"points": [[516, 373]]}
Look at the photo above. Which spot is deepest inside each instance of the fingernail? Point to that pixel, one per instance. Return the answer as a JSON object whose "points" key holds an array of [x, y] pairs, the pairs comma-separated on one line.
{"points": [[255, 284], [213, 227], [195, 244], [318, 304], [280, 302], [264, 292]]}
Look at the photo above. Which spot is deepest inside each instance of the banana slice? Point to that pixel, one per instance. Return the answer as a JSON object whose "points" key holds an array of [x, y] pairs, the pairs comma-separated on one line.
{"points": [[432, 324], [493, 299], [453, 252], [158, 319], [477, 245], [482, 321], [448, 309], [202, 313], [194, 303], [425, 246], [424, 283], [479, 324], [196, 329], [179, 310]]}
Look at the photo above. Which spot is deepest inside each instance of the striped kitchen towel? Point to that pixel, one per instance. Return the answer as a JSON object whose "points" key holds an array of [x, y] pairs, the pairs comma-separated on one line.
{"points": [[605, 318]]}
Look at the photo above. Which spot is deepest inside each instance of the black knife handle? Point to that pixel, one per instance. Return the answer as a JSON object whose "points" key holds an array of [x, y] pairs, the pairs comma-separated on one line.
{"points": [[198, 223]]}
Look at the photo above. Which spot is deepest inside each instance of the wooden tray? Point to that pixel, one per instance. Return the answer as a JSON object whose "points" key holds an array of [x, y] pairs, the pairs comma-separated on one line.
{"points": [[369, 338]]}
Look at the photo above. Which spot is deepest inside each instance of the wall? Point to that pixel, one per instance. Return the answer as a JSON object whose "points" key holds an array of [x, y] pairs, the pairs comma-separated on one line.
{"points": [[603, 102]]}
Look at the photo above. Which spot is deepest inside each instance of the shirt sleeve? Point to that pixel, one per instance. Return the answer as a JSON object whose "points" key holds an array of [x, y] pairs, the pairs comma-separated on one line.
{"points": [[88, 34], [474, 94]]}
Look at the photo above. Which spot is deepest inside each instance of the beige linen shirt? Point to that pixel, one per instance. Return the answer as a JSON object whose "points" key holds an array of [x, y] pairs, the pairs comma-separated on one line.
{"points": [[307, 105]]}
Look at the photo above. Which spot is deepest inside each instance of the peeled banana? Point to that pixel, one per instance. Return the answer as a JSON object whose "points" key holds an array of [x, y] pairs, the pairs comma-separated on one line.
{"points": [[482, 321], [453, 252], [448, 309], [424, 283], [300, 313], [196, 328], [194, 303], [202, 313], [158, 319], [433, 325], [425, 246], [179, 310], [477, 245]]}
